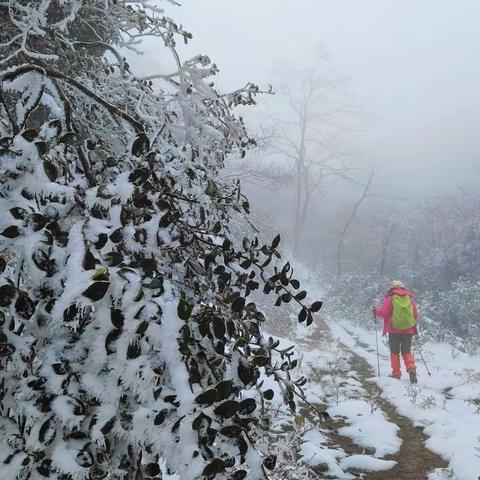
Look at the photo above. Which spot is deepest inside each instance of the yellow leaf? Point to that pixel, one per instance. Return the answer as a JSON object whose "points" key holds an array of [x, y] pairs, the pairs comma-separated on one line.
{"points": [[299, 420], [98, 272]]}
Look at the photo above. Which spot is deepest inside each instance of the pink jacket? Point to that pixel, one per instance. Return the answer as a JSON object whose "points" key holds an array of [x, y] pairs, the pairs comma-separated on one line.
{"points": [[385, 311]]}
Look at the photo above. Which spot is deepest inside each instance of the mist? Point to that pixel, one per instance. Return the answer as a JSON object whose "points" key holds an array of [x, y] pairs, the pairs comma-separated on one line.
{"points": [[412, 69], [407, 71]]}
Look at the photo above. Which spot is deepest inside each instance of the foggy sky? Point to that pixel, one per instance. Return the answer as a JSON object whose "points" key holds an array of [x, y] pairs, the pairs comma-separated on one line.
{"points": [[413, 67]]}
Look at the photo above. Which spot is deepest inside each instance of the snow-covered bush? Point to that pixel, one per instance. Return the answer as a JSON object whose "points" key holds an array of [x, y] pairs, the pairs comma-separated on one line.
{"points": [[127, 336], [354, 296], [456, 310]]}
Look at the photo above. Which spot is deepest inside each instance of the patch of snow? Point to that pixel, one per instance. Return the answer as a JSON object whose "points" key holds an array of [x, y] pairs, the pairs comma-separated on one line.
{"points": [[369, 430], [315, 456], [367, 463]]}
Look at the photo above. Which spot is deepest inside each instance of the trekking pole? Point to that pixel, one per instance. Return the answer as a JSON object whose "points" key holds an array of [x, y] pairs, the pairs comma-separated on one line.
{"points": [[376, 342], [425, 363]]}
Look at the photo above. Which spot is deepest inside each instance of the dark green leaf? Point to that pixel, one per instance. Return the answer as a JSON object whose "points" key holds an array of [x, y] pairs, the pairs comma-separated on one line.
{"points": [[286, 297], [70, 313], [59, 368], [227, 409], [208, 397], [133, 351], [224, 389], [295, 283], [88, 261], [276, 241], [232, 431], [149, 265], [117, 235], [246, 373], [138, 176], [160, 417], [24, 306], [41, 148], [96, 291], [112, 337], [30, 135], [270, 462], [218, 327], [50, 170], [238, 304], [114, 258], [142, 328], [301, 295], [217, 228], [107, 427], [141, 145], [7, 294], [268, 394], [242, 445], [18, 213], [166, 220], [39, 221], [247, 406], [152, 469], [239, 475], [184, 309], [102, 240], [260, 361], [246, 264], [201, 421], [47, 432], [316, 306], [11, 232], [217, 465], [6, 349]]}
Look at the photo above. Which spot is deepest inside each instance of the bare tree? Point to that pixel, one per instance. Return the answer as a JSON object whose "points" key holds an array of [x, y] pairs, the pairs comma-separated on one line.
{"points": [[252, 167], [309, 134]]}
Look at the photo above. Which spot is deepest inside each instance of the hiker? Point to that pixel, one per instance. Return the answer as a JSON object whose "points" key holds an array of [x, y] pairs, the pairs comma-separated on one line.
{"points": [[399, 312]]}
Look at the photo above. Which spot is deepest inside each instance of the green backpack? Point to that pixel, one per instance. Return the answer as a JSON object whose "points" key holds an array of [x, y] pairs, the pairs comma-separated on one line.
{"points": [[402, 316]]}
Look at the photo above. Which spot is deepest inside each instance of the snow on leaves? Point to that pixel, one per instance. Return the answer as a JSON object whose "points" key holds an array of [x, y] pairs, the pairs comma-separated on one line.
{"points": [[127, 332]]}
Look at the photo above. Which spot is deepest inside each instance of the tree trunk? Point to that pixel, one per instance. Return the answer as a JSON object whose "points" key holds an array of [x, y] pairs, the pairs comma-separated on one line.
{"points": [[386, 244], [298, 194], [345, 228], [298, 201]]}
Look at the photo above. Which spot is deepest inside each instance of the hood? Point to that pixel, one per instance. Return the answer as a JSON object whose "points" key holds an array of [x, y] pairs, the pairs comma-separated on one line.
{"points": [[402, 292]]}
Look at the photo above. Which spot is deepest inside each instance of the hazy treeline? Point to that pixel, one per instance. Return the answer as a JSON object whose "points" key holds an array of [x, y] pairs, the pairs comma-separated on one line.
{"points": [[431, 244], [357, 225]]}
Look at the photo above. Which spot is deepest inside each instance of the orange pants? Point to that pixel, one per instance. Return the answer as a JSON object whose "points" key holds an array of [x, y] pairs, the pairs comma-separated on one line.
{"points": [[396, 367], [400, 342]]}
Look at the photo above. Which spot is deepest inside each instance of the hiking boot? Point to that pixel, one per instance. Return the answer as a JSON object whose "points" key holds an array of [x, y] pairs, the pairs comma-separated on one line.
{"points": [[413, 375]]}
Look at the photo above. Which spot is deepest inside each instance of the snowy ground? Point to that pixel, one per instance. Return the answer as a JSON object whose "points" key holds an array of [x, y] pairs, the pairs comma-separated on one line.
{"points": [[446, 403], [356, 416]]}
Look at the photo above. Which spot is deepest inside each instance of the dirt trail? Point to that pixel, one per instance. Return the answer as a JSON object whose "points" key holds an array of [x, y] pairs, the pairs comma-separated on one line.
{"points": [[414, 460]]}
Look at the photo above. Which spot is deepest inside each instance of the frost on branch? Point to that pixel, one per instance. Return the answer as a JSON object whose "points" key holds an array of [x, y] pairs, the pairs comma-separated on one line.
{"points": [[127, 335]]}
